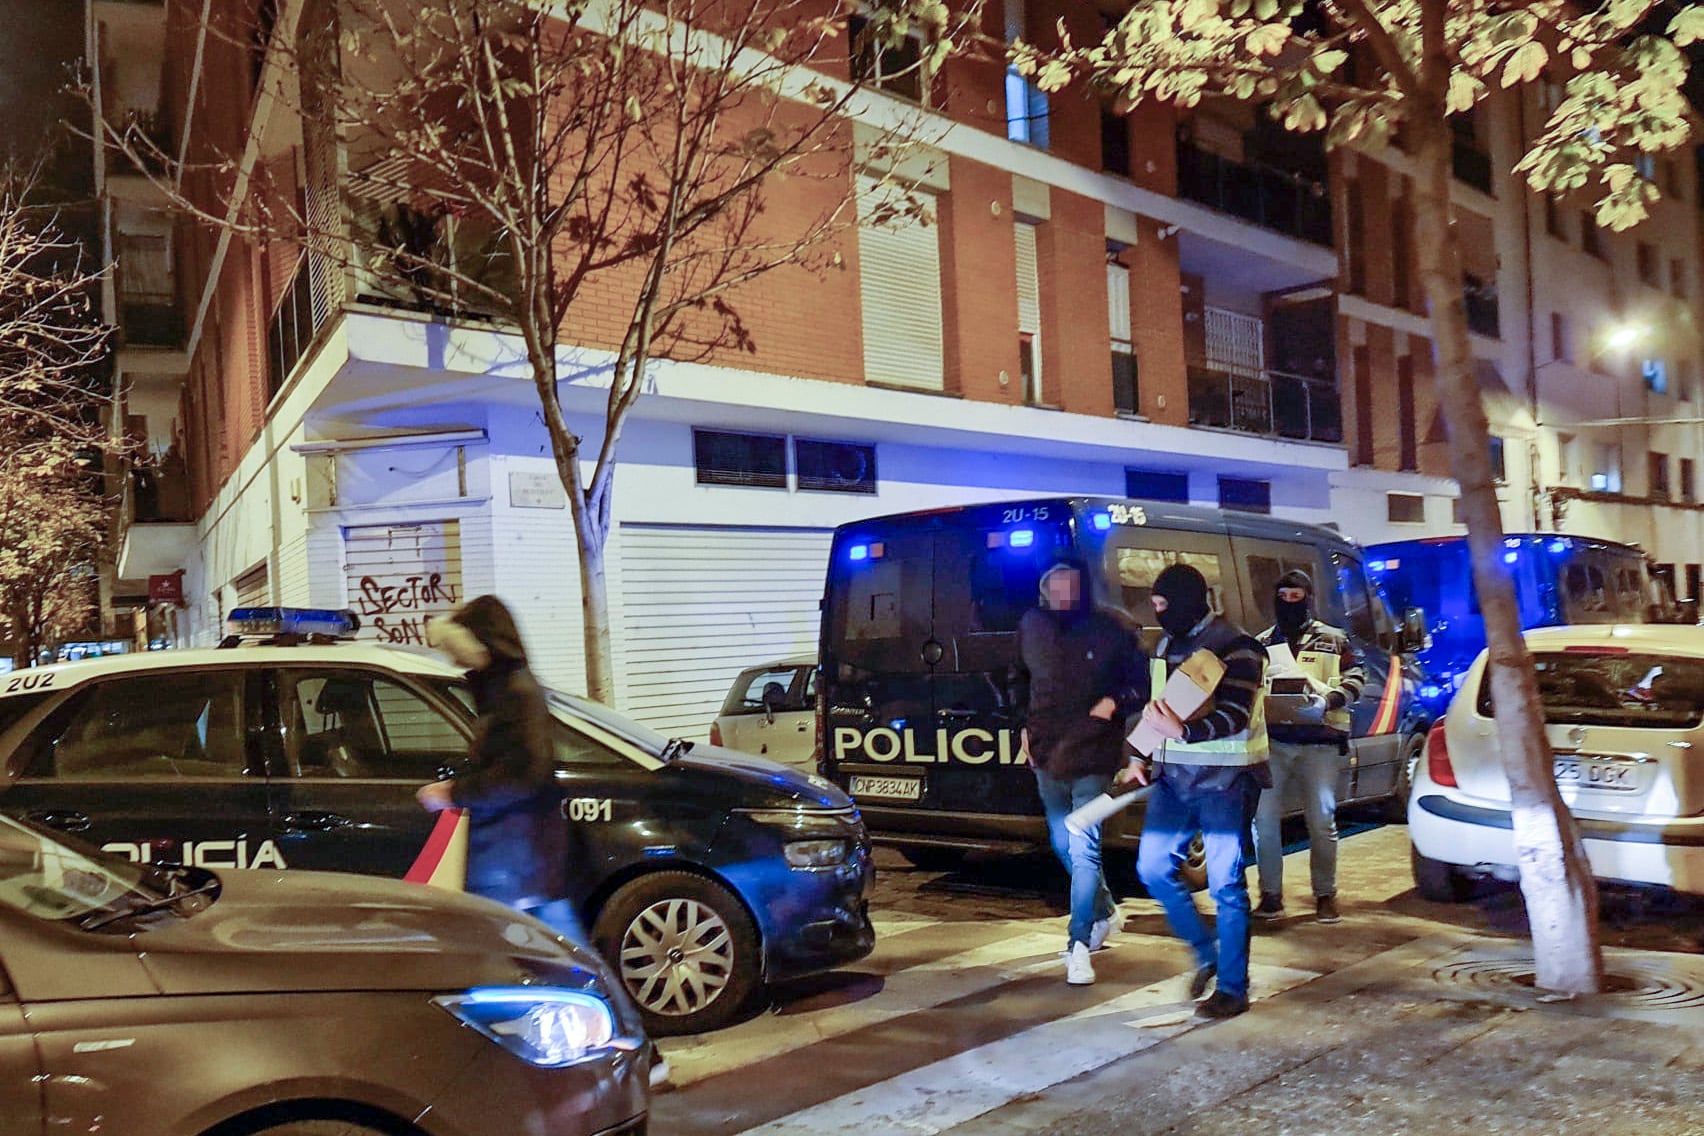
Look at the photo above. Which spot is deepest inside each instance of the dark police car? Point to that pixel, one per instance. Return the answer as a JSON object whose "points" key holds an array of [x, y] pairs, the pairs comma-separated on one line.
{"points": [[701, 872]]}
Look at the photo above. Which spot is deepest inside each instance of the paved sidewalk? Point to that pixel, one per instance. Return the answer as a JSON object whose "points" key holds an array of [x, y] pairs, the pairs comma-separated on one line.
{"points": [[1439, 1035]]}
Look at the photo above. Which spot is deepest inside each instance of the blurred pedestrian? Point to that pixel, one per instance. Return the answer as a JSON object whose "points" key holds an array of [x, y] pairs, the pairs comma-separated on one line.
{"points": [[1309, 746], [1086, 676], [1207, 779]]}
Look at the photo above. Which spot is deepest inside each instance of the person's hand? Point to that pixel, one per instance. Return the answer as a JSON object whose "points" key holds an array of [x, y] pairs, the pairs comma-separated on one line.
{"points": [[1136, 770], [1104, 709], [1314, 709], [435, 798], [1162, 720]]}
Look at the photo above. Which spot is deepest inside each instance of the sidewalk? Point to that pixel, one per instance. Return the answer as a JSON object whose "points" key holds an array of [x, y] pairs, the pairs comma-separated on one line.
{"points": [[1436, 1036]]}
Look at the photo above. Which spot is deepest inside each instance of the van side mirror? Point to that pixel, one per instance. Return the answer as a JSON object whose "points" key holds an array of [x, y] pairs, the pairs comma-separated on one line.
{"points": [[1414, 635]]}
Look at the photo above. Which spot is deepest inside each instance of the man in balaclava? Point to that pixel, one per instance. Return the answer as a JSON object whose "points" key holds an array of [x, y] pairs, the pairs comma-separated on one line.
{"points": [[1206, 779], [1309, 741], [1086, 675]]}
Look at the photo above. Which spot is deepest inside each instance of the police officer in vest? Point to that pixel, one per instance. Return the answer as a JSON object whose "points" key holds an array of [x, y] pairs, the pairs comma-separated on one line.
{"points": [[1308, 746], [1207, 778]]}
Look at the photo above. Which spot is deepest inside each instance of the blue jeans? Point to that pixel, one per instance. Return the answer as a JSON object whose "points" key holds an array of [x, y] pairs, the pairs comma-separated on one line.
{"points": [[1091, 900], [1219, 803], [1313, 769]]}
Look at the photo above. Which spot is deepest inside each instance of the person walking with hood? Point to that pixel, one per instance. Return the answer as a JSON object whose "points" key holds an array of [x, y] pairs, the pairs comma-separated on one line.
{"points": [[1086, 675], [1308, 746], [1206, 778]]}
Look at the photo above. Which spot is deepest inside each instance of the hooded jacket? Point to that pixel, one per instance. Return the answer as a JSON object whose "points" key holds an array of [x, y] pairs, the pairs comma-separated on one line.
{"points": [[517, 849]]}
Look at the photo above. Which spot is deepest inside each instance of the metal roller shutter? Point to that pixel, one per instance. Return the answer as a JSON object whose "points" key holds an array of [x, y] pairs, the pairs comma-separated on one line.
{"points": [[400, 576], [699, 605], [900, 286], [251, 588], [1029, 280]]}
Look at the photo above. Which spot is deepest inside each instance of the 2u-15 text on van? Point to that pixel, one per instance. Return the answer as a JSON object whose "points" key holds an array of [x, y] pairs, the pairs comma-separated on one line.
{"points": [[920, 689]]}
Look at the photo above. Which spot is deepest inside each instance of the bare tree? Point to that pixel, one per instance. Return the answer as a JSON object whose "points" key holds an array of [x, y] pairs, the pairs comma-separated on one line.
{"points": [[550, 165]]}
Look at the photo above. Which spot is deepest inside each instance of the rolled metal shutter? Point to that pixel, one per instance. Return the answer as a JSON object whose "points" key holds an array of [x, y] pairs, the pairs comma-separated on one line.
{"points": [[400, 576], [900, 287]]}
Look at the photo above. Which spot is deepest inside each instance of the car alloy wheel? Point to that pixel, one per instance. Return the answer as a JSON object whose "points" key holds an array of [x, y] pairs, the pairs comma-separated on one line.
{"points": [[685, 948]]}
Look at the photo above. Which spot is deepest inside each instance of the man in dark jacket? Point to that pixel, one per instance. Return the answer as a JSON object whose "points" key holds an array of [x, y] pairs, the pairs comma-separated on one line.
{"points": [[517, 840], [1086, 675], [1208, 777], [1309, 744]]}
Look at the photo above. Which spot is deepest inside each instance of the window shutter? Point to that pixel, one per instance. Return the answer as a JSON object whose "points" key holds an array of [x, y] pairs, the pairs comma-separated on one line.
{"points": [[900, 287], [1118, 302], [1029, 282]]}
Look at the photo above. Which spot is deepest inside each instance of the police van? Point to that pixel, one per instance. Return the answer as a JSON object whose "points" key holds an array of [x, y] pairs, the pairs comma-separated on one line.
{"points": [[921, 688], [701, 873]]}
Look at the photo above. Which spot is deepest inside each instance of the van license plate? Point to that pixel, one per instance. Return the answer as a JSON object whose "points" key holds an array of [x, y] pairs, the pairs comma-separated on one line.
{"points": [[888, 788], [1615, 776]]}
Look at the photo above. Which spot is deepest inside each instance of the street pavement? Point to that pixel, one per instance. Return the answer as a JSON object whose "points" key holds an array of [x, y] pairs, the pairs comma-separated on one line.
{"points": [[1407, 1017]]}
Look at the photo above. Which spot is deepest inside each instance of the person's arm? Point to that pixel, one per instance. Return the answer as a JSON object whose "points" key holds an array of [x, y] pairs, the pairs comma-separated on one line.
{"points": [[1130, 678], [511, 742], [1351, 676], [1233, 700]]}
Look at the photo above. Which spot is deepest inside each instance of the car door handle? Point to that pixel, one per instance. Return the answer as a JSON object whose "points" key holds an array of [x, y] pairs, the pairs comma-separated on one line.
{"points": [[64, 822], [802, 726], [313, 821]]}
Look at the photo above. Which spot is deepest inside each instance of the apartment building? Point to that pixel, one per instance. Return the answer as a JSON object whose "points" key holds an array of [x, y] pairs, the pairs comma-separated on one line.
{"points": [[1261, 348]]}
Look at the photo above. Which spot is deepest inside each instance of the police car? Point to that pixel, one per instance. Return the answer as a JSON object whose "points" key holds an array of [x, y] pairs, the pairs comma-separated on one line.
{"points": [[702, 873]]}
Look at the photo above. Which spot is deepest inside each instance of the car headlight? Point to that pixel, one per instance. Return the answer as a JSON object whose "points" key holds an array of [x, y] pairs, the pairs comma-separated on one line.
{"points": [[541, 1025], [814, 853]]}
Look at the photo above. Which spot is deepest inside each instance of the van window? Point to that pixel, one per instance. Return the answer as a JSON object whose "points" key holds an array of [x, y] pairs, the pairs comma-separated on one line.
{"points": [[882, 610], [1263, 575], [1137, 568], [1357, 602]]}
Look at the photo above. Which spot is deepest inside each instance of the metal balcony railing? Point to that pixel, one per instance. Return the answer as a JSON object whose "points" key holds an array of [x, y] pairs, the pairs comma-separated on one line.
{"points": [[290, 329], [1272, 404], [1269, 197]]}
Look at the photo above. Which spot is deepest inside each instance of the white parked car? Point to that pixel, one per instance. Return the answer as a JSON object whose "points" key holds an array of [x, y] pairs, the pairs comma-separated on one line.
{"points": [[1624, 707], [771, 711]]}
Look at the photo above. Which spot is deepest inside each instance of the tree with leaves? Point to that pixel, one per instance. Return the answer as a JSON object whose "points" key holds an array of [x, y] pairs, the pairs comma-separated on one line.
{"points": [[547, 164], [52, 522], [1418, 62]]}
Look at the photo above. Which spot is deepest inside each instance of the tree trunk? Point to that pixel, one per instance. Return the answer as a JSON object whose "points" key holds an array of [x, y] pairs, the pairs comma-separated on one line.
{"points": [[1556, 881]]}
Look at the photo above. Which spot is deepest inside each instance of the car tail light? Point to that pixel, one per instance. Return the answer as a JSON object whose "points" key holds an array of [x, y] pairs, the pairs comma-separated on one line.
{"points": [[1438, 766], [715, 733]]}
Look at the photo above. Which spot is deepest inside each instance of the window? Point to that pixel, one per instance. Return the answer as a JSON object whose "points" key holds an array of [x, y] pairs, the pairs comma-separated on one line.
{"points": [[1499, 467], [1263, 575], [1126, 385], [1655, 374], [1553, 218], [1029, 368], [1139, 567], [1150, 485], [1591, 237], [1677, 278], [1245, 495], [1688, 480], [1125, 392], [1645, 257], [758, 460], [1026, 110], [1408, 439], [1659, 475], [1458, 513], [1115, 143], [152, 727], [1355, 242], [1360, 372], [900, 289], [1357, 601], [898, 70], [1405, 508], [1401, 268], [747, 695], [574, 748], [1606, 474], [1694, 581], [354, 724], [835, 467], [1029, 311], [1565, 458], [1560, 345]]}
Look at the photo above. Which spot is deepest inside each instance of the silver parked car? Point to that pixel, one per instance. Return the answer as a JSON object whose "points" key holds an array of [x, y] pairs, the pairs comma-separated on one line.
{"points": [[771, 711]]}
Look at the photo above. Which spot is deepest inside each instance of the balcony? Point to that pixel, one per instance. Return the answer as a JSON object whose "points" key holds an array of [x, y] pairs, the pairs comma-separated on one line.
{"points": [[1265, 195], [1272, 404], [156, 522], [150, 321]]}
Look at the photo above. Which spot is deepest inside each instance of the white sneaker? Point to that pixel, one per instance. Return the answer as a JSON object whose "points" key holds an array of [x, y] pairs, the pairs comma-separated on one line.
{"points": [[1079, 971], [1099, 932]]}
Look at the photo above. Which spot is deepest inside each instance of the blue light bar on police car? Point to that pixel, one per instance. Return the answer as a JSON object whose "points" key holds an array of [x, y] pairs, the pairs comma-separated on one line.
{"points": [[292, 621]]}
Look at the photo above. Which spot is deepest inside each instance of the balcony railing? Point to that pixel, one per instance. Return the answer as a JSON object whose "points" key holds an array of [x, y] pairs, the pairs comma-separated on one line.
{"points": [[1269, 197], [150, 320], [290, 329], [1272, 404]]}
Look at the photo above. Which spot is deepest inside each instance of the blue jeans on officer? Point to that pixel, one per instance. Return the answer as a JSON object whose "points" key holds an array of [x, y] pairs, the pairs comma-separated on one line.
{"points": [[1091, 899], [1219, 803]]}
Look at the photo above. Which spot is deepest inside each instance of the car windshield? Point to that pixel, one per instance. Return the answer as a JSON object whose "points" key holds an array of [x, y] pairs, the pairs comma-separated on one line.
{"points": [[54, 879], [1610, 687]]}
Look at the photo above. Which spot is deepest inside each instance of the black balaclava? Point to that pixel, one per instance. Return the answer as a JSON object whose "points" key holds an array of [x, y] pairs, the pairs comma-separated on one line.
{"points": [[1291, 618], [1185, 591]]}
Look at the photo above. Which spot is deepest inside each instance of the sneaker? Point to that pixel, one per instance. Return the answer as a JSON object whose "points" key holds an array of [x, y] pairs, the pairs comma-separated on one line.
{"points": [[1222, 1005], [1325, 909], [659, 1071], [1099, 932], [1271, 906], [1079, 971], [1203, 976]]}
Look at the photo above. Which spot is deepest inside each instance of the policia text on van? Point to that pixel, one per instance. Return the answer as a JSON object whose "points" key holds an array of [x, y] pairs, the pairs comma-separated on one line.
{"points": [[921, 685]]}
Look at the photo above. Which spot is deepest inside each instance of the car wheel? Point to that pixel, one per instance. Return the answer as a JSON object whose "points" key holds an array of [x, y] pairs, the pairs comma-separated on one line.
{"points": [[1396, 809], [1438, 881], [685, 949], [934, 859]]}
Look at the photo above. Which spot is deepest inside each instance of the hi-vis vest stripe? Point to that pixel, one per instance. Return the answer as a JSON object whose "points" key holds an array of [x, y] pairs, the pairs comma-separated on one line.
{"points": [[1248, 747], [1384, 721]]}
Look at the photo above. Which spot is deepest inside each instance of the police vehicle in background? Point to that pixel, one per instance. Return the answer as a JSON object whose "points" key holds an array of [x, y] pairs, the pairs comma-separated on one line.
{"points": [[921, 688], [702, 873]]}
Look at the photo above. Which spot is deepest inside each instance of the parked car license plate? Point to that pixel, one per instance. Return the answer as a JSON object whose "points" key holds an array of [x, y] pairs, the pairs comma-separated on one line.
{"points": [[1616, 776], [890, 788]]}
